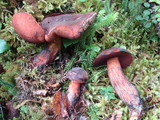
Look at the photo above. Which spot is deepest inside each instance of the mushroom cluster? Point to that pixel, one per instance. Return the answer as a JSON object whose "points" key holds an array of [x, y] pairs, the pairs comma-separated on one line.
{"points": [[51, 30], [71, 26]]}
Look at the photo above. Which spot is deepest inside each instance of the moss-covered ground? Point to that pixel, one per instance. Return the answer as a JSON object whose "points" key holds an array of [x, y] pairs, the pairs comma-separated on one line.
{"points": [[120, 23]]}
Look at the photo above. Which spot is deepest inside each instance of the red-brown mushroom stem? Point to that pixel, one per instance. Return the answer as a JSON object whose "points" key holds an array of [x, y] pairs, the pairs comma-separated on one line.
{"points": [[73, 95], [125, 90], [60, 105], [47, 55]]}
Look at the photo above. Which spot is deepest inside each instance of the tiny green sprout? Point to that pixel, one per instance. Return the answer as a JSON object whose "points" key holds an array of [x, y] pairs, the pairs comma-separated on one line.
{"points": [[146, 17], [154, 21], [157, 15], [147, 25], [139, 17], [3, 46], [123, 47], [24, 109], [108, 92], [146, 4], [146, 12]]}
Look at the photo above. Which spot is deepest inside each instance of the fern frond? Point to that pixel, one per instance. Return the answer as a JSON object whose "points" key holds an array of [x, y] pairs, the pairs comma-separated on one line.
{"points": [[70, 64], [107, 6], [105, 21], [125, 4]]}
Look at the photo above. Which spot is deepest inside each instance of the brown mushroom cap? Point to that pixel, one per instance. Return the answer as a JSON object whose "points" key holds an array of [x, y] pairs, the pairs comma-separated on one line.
{"points": [[68, 26], [77, 74], [125, 57], [27, 27]]}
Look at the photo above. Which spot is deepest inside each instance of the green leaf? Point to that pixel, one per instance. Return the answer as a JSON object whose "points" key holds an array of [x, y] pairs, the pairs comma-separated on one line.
{"points": [[13, 91], [157, 15], [67, 42], [111, 96], [153, 16], [147, 5], [139, 17], [156, 1], [146, 12], [9, 87], [156, 8], [107, 92], [154, 21], [154, 38], [146, 17], [93, 112], [93, 47], [25, 109], [158, 19], [123, 47], [148, 25], [109, 89], [0, 26], [3, 46]]}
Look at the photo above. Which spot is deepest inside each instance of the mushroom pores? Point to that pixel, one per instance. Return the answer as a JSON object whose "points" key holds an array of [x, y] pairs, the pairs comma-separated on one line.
{"points": [[27, 27]]}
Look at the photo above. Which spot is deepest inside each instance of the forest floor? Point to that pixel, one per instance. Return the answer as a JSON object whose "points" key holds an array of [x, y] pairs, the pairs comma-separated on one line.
{"points": [[132, 25]]}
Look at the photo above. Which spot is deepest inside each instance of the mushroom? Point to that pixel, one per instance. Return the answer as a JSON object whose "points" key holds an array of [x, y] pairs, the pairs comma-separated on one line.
{"points": [[69, 26], [28, 28], [78, 77], [52, 29], [116, 59]]}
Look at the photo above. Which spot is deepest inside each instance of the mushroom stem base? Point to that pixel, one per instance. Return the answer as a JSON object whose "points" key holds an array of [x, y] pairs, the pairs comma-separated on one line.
{"points": [[73, 95], [125, 90], [47, 55]]}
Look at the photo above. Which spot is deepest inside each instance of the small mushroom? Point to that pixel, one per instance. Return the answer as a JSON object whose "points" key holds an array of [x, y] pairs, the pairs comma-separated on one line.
{"points": [[47, 55], [116, 59], [52, 29], [78, 77]]}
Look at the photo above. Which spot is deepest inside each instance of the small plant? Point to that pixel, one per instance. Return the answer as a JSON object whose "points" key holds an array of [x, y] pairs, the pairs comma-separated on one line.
{"points": [[3, 46], [108, 92], [9, 87], [150, 16], [93, 112]]}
